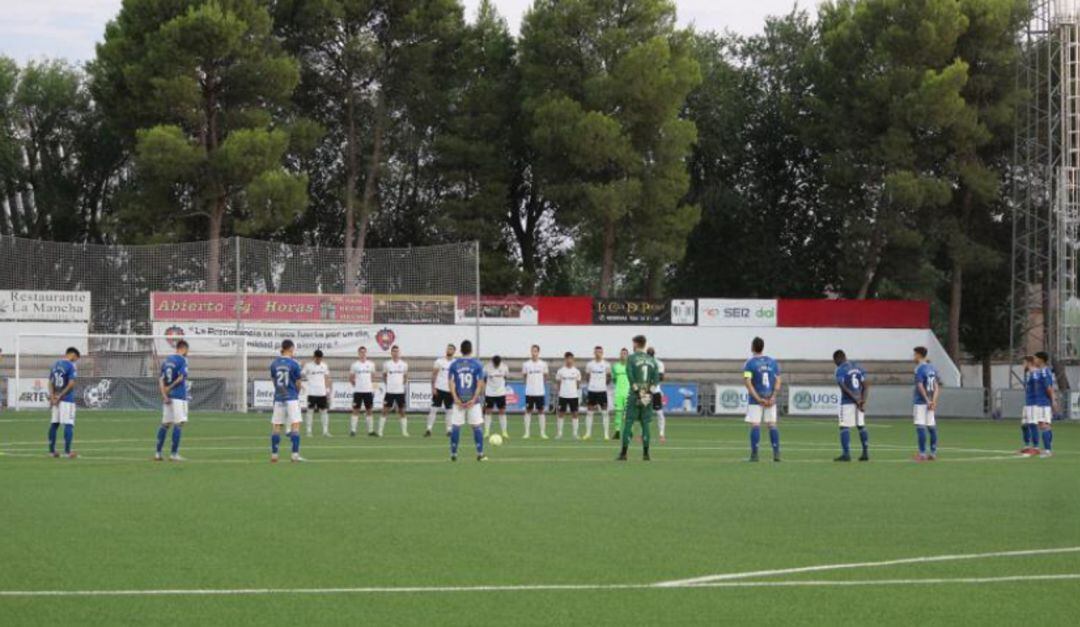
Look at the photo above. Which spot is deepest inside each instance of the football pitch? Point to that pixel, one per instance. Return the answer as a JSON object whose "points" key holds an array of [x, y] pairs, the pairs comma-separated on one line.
{"points": [[388, 531]]}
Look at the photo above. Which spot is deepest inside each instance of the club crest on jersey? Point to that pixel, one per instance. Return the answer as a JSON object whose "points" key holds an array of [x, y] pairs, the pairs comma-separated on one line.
{"points": [[385, 338]]}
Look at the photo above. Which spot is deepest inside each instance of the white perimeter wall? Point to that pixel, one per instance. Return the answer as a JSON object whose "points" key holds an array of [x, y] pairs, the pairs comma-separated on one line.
{"points": [[671, 342]]}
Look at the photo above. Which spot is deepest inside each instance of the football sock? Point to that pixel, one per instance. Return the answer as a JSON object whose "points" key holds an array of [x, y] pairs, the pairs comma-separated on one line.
{"points": [[275, 443], [455, 438], [478, 438], [588, 425], [325, 421], [176, 431], [354, 421], [755, 438], [606, 419], [369, 422], [69, 434], [920, 431], [487, 423], [1033, 430], [543, 424], [933, 439], [774, 440], [431, 418], [382, 424], [864, 438], [309, 419], [661, 422], [528, 423], [294, 437], [1048, 439], [52, 436], [446, 419], [502, 422], [1027, 434], [574, 426], [161, 432], [559, 426], [404, 425], [845, 440]]}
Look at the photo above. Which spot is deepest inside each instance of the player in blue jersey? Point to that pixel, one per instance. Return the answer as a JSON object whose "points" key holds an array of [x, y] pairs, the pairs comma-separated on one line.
{"points": [[62, 401], [286, 373], [927, 390], [174, 387], [1029, 427], [853, 396], [1045, 401], [761, 375], [467, 382]]}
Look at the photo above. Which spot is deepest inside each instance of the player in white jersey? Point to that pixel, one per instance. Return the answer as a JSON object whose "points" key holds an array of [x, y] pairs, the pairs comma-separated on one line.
{"points": [[495, 394], [317, 383], [568, 378], [395, 371], [440, 391], [360, 376], [599, 372], [658, 399], [535, 372]]}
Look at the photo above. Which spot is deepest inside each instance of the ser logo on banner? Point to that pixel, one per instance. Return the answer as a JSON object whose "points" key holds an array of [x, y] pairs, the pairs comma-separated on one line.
{"points": [[724, 312]]}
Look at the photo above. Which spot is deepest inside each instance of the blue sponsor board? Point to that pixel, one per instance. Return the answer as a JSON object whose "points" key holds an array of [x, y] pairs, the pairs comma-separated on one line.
{"points": [[680, 398]]}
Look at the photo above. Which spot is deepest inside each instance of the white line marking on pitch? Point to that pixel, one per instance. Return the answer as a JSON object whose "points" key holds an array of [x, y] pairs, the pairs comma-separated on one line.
{"points": [[532, 588], [829, 567], [728, 580]]}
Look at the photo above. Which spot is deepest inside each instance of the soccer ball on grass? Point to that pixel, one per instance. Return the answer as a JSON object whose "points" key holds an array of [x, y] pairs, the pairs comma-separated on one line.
{"points": [[495, 439]]}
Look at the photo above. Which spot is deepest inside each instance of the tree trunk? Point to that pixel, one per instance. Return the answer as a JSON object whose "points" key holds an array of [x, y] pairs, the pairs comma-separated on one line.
{"points": [[371, 183], [607, 267], [213, 262], [351, 175], [955, 292], [987, 372]]}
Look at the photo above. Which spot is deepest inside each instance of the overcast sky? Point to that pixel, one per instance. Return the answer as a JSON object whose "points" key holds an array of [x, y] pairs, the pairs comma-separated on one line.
{"points": [[31, 29]]}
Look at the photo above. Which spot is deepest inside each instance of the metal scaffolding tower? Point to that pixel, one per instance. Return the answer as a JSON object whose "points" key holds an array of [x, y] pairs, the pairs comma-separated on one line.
{"points": [[1045, 295]]}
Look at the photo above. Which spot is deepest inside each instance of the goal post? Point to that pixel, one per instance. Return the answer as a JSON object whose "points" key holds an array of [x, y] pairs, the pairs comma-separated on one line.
{"points": [[120, 371]]}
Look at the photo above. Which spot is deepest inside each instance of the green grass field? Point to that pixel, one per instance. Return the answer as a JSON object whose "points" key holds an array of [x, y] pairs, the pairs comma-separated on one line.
{"points": [[390, 532]]}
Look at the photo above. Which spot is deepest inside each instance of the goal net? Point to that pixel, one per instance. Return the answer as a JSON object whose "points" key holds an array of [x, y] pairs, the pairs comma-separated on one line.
{"points": [[120, 372]]}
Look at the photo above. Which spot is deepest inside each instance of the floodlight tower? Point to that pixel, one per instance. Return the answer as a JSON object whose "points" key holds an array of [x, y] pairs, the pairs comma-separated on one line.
{"points": [[1045, 295]]}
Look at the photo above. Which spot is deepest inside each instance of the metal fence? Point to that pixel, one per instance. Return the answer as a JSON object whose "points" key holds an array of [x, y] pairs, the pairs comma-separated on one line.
{"points": [[121, 278]]}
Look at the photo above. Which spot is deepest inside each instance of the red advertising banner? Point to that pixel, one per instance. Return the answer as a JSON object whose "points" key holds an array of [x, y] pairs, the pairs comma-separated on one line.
{"points": [[857, 314], [566, 309], [219, 306]]}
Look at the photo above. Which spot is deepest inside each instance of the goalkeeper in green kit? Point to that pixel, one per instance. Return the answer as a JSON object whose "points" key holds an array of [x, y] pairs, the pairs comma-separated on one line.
{"points": [[622, 391], [643, 374]]}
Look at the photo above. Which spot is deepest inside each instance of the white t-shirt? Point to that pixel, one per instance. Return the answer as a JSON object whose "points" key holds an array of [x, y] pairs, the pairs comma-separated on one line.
{"points": [[534, 373], [442, 380], [598, 372], [315, 376], [496, 380], [362, 371], [395, 375], [568, 382]]}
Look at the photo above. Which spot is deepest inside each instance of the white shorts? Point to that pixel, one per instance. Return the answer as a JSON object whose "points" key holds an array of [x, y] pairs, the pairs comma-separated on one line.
{"points": [[1040, 414], [924, 417], [63, 413], [286, 413], [175, 412], [850, 416], [474, 414], [755, 414], [1028, 416]]}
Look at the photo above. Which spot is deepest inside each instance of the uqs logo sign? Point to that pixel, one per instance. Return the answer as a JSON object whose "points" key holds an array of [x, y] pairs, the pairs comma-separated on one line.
{"points": [[814, 400]]}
